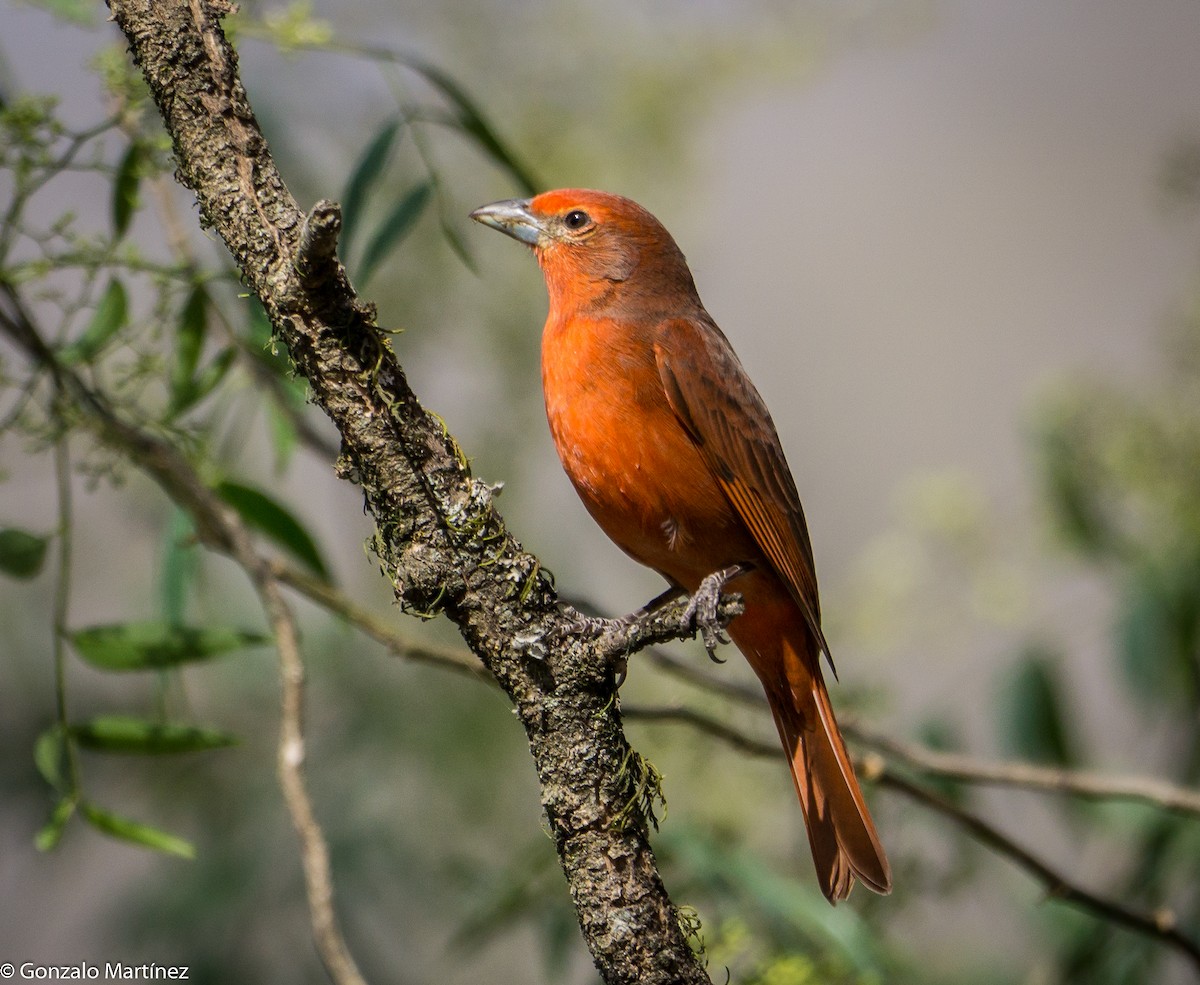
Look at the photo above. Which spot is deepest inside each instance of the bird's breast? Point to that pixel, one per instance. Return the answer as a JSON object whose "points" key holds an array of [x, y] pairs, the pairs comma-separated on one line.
{"points": [[638, 472]]}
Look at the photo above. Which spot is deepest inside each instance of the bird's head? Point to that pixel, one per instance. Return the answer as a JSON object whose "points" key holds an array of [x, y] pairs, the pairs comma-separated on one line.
{"points": [[594, 248]]}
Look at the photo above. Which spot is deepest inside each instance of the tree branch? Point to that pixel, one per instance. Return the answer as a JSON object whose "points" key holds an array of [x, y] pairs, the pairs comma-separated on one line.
{"points": [[439, 540], [314, 851], [1159, 925], [220, 528], [1079, 783], [965, 769]]}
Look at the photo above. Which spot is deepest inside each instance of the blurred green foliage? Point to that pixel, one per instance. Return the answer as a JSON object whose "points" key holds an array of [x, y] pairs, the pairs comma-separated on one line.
{"points": [[422, 779], [1120, 469]]}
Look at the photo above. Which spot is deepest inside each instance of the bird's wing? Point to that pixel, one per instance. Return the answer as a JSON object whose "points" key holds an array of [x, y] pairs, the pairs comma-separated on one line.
{"points": [[718, 406]]}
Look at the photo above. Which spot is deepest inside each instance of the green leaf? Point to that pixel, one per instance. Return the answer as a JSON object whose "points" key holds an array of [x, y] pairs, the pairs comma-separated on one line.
{"points": [[108, 318], [212, 374], [472, 122], [125, 188], [459, 246], [274, 522], [1036, 725], [193, 326], [51, 833], [258, 325], [50, 757], [154, 645], [394, 227], [742, 878], [1158, 631], [21, 553], [284, 437], [367, 171], [209, 379], [126, 734], [136, 832], [179, 563]]}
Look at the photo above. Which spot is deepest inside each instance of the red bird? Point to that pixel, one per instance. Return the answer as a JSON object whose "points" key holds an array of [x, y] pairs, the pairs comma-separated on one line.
{"points": [[674, 454]]}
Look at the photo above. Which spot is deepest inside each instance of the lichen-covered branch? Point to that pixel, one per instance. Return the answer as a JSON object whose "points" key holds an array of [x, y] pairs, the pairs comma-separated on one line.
{"points": [[439, 540]]}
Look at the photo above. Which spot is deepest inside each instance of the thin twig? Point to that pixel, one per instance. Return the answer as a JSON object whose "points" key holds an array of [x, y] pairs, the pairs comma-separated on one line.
{"points": [[62, 601], [950, 766], [1079, 783], [1159, 925], [962, 768], [687, 670], [314, 852], [701, 722], [223, 530], [268, 576], [333, 600]]}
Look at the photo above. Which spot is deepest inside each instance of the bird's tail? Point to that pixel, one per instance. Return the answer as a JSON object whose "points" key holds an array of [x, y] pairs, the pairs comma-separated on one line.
{"points": [[841, 833]]}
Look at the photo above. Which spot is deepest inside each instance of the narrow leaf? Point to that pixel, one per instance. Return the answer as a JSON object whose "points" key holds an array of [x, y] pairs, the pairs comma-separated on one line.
{"points": [[394, 227], [154, 645], [212, 374], [179, 563], [210, 378], [125, 188], [366, 173], [1158, 631], [258, 325], [108, 318], [1036, 723], [274, 522], [21, 553], [459, 246], [473, 123], [193, 326], [284, 437], [50, 757], [136, 832], [126, 734], [50, 835]]}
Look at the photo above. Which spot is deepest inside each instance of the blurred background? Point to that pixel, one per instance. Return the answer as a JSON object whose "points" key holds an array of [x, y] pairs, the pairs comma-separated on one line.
{"points": [[956, 246]]}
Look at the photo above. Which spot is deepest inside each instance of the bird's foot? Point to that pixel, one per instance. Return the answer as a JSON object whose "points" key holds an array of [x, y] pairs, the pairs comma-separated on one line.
{"points": [[703, 609], [597, 626], [585, 625]]}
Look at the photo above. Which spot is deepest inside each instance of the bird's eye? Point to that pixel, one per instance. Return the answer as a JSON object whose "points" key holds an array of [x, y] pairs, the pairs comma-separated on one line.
{"points": [[576, 219]]}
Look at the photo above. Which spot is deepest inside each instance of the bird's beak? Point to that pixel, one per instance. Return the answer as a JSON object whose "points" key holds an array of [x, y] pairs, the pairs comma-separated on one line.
{"points": [[512, 216]]}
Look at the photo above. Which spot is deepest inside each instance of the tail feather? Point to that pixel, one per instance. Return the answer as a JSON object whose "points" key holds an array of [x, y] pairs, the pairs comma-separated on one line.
{"points": [[844, 843]]}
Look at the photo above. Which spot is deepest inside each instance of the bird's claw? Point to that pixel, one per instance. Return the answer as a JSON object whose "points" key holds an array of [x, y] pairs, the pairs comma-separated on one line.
{"points": [[582, 624], [703, 610], [585, 625], [595, 626]]}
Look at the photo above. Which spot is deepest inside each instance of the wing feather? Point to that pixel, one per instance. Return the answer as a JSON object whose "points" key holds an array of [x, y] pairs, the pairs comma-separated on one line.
{"points": [[713, 398]]}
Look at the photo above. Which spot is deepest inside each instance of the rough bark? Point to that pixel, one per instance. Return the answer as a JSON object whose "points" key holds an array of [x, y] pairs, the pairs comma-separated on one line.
{"points": [[439, 539]]}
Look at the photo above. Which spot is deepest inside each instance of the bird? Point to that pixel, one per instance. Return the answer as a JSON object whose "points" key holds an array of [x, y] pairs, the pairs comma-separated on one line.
{"points": [[676, 458]]}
